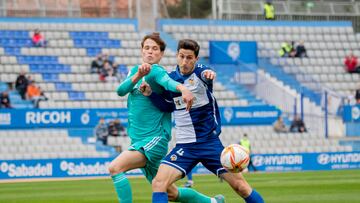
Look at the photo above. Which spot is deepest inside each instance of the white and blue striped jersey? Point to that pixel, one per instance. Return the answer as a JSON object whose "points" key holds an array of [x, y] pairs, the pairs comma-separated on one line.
{"points": [[202, 122]]}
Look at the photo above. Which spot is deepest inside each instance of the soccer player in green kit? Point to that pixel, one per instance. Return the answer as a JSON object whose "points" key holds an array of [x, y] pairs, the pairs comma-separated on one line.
{"points": [[149, 129]]}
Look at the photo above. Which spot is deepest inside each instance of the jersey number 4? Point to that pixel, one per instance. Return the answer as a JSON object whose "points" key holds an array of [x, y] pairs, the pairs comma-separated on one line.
{"points": [[180, 152]]}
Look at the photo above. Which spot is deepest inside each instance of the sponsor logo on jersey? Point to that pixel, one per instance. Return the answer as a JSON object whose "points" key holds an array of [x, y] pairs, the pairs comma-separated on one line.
{"points": [[191, 81], [173, 157]]}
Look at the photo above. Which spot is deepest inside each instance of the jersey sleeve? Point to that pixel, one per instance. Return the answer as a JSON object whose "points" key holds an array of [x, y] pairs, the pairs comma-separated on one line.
{"points": [[126, 86], [163, 101], [163, 79], [202, 71]]}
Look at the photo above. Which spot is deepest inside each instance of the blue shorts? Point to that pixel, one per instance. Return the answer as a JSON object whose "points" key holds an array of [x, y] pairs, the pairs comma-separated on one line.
{"points": [[185, 157]]}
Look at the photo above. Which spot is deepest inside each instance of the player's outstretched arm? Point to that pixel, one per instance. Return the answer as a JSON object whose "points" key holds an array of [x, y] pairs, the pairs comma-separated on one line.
{"points": [[128, 84], [162, 78], [187, 96], [208, 75], [162, 101]]}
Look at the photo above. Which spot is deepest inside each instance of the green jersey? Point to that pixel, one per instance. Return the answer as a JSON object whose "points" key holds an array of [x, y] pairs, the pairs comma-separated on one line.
{"points": [[144, 118]]}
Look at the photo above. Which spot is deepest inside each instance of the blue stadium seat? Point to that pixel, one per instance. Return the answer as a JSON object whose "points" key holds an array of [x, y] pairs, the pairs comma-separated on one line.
{"points": [[93, 51], [14, 96], [75, 95], [115, 43], [89, 35], [66, 69], [23, 105], [3, 86], [13, 51], [123, 69], [63, 86], [50, 77]]}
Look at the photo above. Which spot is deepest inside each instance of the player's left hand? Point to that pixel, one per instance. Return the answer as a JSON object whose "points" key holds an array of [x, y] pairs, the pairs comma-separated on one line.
{"points": [[145, 89], [209, 74]]}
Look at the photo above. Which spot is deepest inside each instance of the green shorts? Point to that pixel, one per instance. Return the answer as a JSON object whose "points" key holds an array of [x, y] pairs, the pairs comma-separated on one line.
{"points": [[154, 149]]}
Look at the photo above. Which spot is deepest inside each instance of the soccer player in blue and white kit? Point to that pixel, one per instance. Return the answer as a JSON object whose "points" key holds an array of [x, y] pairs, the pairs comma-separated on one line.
{"points": [[197, 130]]}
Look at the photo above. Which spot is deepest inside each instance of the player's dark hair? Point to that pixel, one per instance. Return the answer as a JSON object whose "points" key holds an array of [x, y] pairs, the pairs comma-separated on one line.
{"points": [[189, 44], [156, 37]]}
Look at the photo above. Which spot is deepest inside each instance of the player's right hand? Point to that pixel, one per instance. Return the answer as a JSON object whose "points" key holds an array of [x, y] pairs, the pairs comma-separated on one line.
{"points": [[188, 98], [144, 69]]}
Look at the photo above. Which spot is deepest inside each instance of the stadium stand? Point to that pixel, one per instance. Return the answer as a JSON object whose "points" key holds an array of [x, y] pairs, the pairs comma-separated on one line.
{"points": [[327, 45], [44, 144]]}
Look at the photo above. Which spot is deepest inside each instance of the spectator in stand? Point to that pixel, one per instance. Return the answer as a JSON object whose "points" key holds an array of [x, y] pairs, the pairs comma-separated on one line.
{"points": [[279, 126], [357, 96], [269, 10], [21, 84], [113, 131], [35, 94], [38, 39], [287, 50], [116, 128], [105, 57], [107, 73], [120, 128], [101, 131], [297, 125], [97, 64], [301, 50], [245, 142], [351, 63], [5, 100]]}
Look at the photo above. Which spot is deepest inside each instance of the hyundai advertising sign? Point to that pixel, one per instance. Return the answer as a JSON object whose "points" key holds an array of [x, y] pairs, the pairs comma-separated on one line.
{"points": [[94, 167]]}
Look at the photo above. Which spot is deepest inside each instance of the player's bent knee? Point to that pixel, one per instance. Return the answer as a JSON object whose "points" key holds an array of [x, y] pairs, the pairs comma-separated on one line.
{"points": [[158, 185], [114, 169]]}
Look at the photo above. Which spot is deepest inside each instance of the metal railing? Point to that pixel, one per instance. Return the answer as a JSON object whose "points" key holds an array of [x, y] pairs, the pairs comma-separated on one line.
{"points": [[63, 8], [292, 10]]}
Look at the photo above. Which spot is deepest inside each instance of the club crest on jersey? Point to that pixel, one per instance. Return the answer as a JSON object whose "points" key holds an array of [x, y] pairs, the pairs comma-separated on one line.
{"points": [[191, 81], [173, 157], [177, 102]]}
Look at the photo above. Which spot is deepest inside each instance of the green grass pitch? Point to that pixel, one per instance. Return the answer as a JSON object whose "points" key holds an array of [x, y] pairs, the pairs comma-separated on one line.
{"points": [[292, 187]]}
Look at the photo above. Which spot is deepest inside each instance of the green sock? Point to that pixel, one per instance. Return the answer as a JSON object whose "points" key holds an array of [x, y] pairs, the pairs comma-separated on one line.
{"points": [[188, 195], [122, 188]]}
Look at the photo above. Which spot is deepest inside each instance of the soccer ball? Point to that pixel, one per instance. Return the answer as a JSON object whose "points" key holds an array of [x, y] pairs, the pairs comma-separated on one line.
{"points": [[235, 158]]}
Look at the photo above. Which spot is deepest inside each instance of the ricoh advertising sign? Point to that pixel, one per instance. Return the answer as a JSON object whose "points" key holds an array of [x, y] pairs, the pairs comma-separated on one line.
{"points": [[87, 118], [55, 118]]}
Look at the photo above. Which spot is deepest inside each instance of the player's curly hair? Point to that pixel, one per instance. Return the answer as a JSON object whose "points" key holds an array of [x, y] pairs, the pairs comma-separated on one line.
{"points": [[156, 37], [189, 44]]}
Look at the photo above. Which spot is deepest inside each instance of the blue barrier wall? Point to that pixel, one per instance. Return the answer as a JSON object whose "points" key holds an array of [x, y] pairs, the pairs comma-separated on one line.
{"points": [[86, 118], [93, 167], [351, 113], [351, 118], [230, 52]]}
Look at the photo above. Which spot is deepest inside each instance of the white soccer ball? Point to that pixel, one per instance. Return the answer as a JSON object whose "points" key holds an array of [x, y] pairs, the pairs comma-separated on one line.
{"points": [[235, 158]]}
